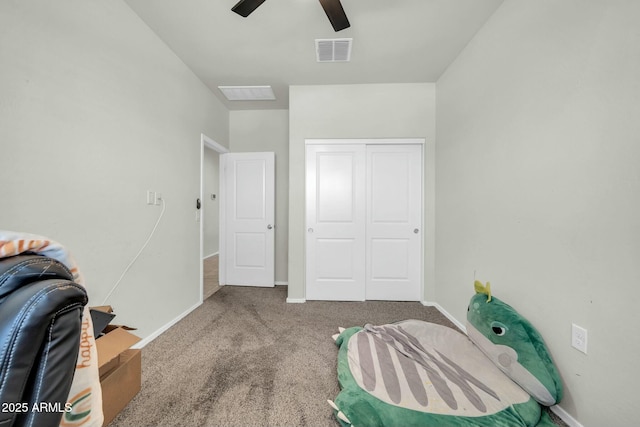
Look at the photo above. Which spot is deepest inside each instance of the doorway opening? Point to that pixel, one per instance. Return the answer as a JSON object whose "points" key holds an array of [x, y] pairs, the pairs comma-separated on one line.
{"points": [[208, 214]]}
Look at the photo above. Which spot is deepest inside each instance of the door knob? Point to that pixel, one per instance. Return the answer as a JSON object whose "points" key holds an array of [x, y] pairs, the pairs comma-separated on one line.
{"points": [[269, 226], [415, 230], [310, 230]]}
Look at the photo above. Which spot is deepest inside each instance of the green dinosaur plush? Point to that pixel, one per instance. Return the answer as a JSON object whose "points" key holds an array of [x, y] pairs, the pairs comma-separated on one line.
{"points": [[514, 345], [415, 373]]}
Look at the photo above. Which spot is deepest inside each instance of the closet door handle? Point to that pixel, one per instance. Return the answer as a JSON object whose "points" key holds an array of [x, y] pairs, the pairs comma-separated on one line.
{"points": [[269, 226], [415, 230]]}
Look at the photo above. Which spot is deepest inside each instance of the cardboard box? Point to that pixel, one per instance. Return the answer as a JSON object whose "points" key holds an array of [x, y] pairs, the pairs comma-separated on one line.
{"points": [[120, 367], [111, 345], [121, 384]]}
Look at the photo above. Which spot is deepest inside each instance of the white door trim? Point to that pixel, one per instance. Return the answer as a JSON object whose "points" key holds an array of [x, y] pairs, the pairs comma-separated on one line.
{"points": [[366, 141], [209, 143]]}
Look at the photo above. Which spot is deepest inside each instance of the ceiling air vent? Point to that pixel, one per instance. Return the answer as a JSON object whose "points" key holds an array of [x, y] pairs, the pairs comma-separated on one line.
{"points": [[333, 50]]}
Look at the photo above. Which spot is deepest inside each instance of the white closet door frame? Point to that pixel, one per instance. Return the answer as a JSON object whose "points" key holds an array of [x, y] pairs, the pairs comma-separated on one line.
{"points": [[364, 143]]}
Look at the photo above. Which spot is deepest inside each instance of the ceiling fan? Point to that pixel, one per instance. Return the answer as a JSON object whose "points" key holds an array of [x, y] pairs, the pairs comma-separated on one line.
{"points": [[333, 9]]}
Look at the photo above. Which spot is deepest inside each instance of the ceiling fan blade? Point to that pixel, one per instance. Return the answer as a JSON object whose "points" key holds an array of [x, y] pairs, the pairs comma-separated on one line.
{"points": [[245, 7], [335, 13]]}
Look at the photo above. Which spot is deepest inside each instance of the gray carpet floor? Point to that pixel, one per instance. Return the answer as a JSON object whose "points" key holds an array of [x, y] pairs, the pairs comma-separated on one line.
{"points": [[247, 358]]}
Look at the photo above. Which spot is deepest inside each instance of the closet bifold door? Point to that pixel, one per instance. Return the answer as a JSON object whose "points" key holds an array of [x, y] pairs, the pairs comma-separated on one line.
{"points": [[394, 222], [335, 222]]}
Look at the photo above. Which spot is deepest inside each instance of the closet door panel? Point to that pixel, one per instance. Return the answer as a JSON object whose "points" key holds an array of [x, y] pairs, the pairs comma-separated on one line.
{"points": [[335, 223], [394, 222]]}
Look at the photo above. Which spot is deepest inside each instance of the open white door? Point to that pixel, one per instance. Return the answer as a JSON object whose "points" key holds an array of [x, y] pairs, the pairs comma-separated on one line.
{"points": [[247, 253]]}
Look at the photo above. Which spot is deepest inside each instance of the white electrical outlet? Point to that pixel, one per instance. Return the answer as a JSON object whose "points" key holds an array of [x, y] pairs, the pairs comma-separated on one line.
{"points": [[579, 338], [151, 197]]}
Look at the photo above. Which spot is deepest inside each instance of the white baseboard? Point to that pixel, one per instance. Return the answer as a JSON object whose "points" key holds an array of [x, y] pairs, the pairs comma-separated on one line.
{"points": [[296, 300], [157, 333], [448, 315], [209, 256], [277, 283], [564, 416]]}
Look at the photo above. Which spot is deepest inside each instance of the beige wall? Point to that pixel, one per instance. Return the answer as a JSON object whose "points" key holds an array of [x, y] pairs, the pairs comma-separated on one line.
{"points": [[268, 130], [538, 186], [356, 111], [94, 111]]}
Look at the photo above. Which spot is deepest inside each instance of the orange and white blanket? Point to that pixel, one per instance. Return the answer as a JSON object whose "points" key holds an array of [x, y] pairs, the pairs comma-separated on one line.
{"points": [[85, 397]]}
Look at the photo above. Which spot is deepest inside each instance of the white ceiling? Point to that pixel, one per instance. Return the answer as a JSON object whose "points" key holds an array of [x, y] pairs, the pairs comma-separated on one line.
{"points": [[394, 41]]}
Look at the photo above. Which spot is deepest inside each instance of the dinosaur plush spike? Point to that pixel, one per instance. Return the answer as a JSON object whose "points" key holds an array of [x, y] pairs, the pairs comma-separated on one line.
{"points": [[483, 289]]}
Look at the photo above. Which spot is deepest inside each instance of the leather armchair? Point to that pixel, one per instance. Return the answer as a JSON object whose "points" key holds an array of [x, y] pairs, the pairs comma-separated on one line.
{"points": [[40, 326]]}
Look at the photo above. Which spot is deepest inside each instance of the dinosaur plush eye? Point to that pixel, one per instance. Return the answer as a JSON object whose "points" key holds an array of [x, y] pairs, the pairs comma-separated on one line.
{"points": [[498, 328]]}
